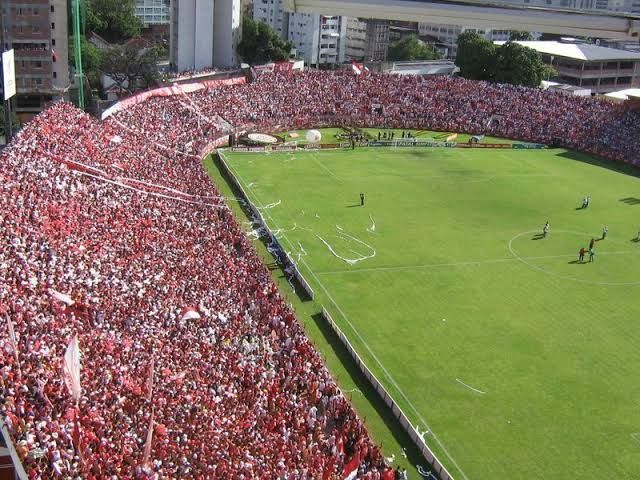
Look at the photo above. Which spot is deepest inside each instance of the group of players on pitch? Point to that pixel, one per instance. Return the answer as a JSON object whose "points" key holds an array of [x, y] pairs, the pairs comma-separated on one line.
{"points": [[583, 251]]}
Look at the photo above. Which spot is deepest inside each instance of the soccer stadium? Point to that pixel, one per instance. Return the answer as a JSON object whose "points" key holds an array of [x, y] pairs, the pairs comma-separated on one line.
{"points": [[375, 291]]}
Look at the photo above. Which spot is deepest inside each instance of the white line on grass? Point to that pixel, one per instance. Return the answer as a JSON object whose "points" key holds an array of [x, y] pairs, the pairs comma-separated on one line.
{"points": [[366, 345], [458, 264], [317, 162], [567, 277], [470, 387]]}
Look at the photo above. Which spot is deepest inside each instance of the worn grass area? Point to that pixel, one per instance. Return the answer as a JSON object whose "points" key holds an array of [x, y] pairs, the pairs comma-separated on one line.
{"points": [[520, 361]]}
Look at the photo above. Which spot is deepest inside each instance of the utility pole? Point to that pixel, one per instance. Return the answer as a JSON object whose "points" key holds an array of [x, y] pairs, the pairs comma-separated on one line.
{"points": [[75, 12]]}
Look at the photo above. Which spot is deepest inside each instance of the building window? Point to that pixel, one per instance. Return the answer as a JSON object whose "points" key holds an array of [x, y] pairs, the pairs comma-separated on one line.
{"points": [[53, 9], [53, 42], [55, 74], [53, 25]]}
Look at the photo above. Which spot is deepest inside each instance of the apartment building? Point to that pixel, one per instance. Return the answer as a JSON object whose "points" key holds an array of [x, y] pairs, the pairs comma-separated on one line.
{"points": [[204, 33], [153, 12], [317, 39], [37, 31]]}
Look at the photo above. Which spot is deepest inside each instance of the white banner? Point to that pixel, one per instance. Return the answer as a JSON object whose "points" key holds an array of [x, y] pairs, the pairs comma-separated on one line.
{"points": [[9, 74], [71, 368]]}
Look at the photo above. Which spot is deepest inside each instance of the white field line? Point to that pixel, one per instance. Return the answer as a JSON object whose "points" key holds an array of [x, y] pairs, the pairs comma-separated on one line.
{"points": [[460, 264], [470, 387], [567, 277], [365, 344], [319, 163]]}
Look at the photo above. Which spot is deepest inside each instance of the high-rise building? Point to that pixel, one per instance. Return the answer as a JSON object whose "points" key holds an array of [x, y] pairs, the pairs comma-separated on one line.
{"points": [[37, 31], [153, 12], [204, 33], [316, 38]]}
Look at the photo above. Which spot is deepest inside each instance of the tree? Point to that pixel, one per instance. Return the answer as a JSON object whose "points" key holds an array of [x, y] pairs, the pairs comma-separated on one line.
{"points": [[115, 20], [261, 43], [411, 48], [14, 121], [130, 67], [476, 57], [519, 65], [516, 35], [91, 59]]}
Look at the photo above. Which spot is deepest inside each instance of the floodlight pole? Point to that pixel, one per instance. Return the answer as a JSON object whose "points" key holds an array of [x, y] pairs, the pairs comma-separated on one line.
{"points": [[78, 52]]}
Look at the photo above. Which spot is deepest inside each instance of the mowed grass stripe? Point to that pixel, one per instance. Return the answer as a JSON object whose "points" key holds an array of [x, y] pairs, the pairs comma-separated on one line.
{"points": [[557, 359]]}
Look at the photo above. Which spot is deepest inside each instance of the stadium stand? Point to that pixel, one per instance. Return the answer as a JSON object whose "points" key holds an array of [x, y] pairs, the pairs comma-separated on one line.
{"points": [[112, 231]]}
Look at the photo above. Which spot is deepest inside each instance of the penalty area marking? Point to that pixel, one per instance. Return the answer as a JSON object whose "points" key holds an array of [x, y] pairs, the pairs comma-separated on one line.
{"points": [[470, 387], [567, 277]]}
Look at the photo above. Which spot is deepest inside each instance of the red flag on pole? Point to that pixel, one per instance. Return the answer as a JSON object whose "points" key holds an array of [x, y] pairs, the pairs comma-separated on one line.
{"points": [[71, 369], [149, 442], [351, 468]]}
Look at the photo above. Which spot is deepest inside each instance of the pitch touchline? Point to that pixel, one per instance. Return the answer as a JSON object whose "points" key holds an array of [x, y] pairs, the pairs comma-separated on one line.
{"points": [[366, 345], [459, 264]]}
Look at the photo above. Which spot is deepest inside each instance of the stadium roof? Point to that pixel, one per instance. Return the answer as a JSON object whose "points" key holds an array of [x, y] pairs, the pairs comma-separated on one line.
{"points": [[630, 93], [578, 51]]}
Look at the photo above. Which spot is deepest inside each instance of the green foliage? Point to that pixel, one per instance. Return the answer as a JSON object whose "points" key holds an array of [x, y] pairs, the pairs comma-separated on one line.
{"points": [[91, 59], [15, 123], [115, 20], [411, 48], [519, 65], [479, 59], [476, 57], [131, 68], [261, 43], [517, 35]]}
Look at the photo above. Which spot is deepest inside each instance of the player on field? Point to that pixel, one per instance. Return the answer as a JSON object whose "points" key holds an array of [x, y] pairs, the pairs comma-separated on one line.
{"points": [[545, 229], [581, 254], [605, 231], [592, 254], [592, 243], [362, 199]]}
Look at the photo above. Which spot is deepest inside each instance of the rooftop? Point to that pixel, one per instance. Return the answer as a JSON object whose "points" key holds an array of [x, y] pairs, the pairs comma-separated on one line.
{"points": [[579, 51], [630, 93]]}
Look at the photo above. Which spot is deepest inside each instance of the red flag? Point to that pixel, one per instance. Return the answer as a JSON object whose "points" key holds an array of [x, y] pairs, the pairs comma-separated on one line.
{"points": [[351, 468], [71, 369], [149, 442], [358, 68]]}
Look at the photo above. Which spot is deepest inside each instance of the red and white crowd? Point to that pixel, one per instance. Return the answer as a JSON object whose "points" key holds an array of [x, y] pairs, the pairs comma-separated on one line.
{"points": [[112, 232]]}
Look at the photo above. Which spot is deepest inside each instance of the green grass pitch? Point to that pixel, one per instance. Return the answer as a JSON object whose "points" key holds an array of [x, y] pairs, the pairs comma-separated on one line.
{"points": [[520, 361]]}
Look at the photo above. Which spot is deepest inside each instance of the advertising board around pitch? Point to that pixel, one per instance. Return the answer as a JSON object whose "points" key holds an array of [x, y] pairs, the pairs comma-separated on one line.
{"points": [[8, 74]]}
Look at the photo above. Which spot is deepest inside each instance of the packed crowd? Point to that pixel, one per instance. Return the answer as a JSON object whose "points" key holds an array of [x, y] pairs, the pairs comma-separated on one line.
{"points": [[112, 231]]}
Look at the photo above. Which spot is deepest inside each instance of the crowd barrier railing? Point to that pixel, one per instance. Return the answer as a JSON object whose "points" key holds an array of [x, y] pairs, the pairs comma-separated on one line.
{"points": [[257, 214], [435, 464], [19, 470]]}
